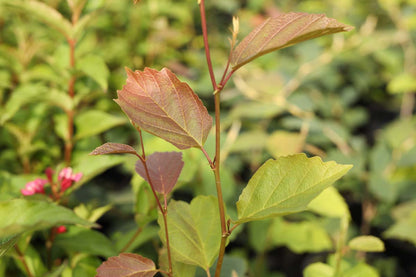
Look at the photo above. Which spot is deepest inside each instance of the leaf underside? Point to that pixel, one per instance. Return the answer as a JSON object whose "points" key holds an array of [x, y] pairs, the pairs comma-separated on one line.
{"points": [[282, 31], [164, 170], [127, 264], [113, 148], [286, 185], [159, 103]]}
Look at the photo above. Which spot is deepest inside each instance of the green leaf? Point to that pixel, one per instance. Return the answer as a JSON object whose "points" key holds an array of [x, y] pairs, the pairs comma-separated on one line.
{"points": [[93, 122], [299, 237], [20, 215], [286, 185], [318, 270], [95, 67], [194, 231], [330, 203], [282, 31], [84, 240], [367, 244]]}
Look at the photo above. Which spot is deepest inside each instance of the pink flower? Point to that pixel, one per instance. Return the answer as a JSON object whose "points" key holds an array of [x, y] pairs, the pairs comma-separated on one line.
{"points": [[34, 187], [66, 177]]}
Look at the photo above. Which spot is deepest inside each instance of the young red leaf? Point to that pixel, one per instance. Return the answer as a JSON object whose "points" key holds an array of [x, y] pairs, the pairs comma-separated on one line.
{"points": [[162, 105], [113, 148], [127, 265], [164, 170], [282, 31]]}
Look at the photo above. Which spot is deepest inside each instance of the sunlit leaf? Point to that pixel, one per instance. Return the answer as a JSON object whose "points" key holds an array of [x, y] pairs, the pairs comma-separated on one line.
{"points": [[282, 31], [164, 170], [194, 231], [162, 105], [367, 244], [21, 215], [286, 185], [127, 264], [113, 148]]}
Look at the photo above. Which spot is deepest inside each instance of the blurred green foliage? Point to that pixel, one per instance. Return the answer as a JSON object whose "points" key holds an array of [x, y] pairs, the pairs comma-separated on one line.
{"points": [[347, 97]]}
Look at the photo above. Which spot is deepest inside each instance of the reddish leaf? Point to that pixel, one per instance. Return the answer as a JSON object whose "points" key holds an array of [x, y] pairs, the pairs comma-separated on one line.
{"points": [[162, 105], [164, 170], [282, 31], [127, 265], [113, 148]]}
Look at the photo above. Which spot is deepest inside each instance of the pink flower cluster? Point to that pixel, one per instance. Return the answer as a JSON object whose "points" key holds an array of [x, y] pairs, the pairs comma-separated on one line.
{"points": [[65, 177]]}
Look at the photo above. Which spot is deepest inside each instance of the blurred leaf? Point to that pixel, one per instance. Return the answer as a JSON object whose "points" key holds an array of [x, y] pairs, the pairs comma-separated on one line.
{"points": [[38, 10], [318, 270], [256, 110], [21, 215], [286, 185], [282, 143], [330, 203], [361, 270], [403, 83], [93, 122], [300, 237], [249, 141], [33, 261], [259, 235], [91, 214], [127, 264], [367, 244], [95, 67], [403, 210], [163, 168], [147, 233], [166, 107], [282, 31], [194, 231], [403, 229], [113, 148], [84, 240]]}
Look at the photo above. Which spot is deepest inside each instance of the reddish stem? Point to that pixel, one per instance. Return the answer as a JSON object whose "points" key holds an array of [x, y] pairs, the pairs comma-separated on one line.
{"points": [[206, 45], [164, 210]]}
